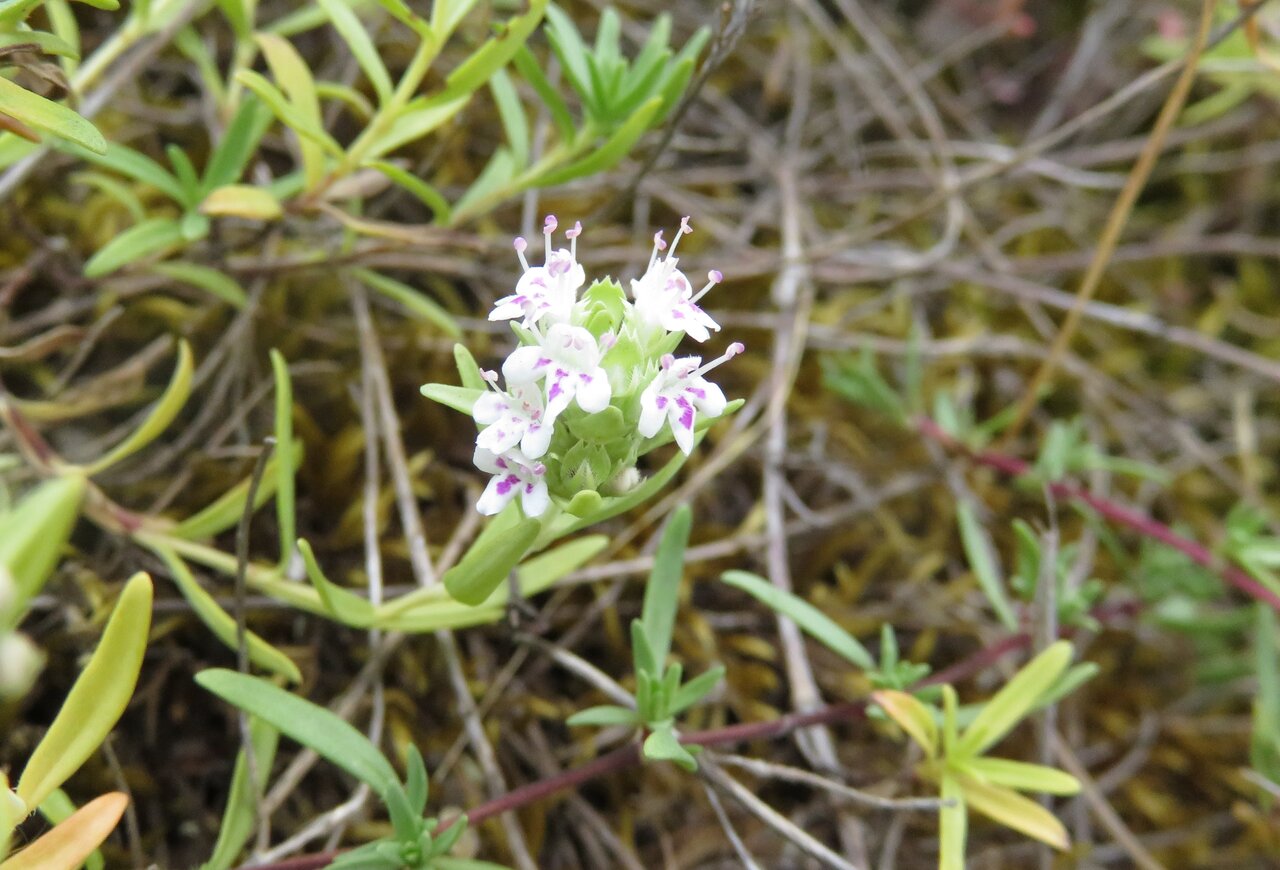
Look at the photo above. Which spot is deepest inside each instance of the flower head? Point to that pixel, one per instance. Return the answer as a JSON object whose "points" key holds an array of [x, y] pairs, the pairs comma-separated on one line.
{"points": [[664, 298], [678, 393], [511, 418], [513, 473], [568, 358], [544, 293]]}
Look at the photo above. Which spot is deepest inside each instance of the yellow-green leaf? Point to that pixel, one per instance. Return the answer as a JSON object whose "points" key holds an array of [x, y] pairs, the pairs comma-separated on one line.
{"points": [[48, 116], [1023, 776], [294, 77], [1014, 811], [97, 699], [343, 604], [242, 200], [912, 716], [1015, 700], [953, 827], [171, 402], [34, 533], [66, 846]]}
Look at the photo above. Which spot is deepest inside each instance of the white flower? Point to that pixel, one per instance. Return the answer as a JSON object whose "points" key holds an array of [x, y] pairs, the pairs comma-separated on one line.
{"points": [[569, 358], [512, 418], [678, 393], [546, 292], [513, 473], [664, 297]]}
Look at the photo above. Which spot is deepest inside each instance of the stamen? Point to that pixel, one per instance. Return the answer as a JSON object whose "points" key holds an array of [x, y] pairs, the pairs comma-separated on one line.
{"points": [[491, 378], [520, 246], [733, 350], [714, 277], [572, 236], [658, 246], [667, 361], [607, 341], [684, 228], [548, 227]]}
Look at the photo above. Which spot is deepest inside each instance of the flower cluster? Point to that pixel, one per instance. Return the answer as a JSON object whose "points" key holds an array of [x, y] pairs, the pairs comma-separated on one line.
{"points": [[594, 382]]}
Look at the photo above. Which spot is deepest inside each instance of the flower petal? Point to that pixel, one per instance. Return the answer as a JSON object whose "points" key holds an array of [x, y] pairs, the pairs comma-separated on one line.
{"points": [[534, 498], [525, 365], [501, 489], [593, 391]]}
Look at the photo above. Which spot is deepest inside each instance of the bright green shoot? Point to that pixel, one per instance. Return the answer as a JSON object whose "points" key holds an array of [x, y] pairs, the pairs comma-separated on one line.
{"points": [[661, 694], [955, 758]]}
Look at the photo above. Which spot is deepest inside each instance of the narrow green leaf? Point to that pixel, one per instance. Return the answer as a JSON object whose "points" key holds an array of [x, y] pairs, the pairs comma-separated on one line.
{"points": [[1023, 776], [459, 398], [511, 113], [295, 78], [646, 663], [48, 117], [426, 194], [183, 170], [530, 69], [140, 240], [572, 52], [977, 548], [135, 165], [490, 561], [311, 725], [240, 816], [170, 403], [221, 623], [1015, 700], [420, 117], [356, 36], [426, 308], [97, 699], [34, 533], [495, 182], [341, 602], [288, 114], [226, 510], [663, 745], [810, 619], [214, 282], [493, 54], [605, 716], [115, 189], [614, 149], [447, 14], [285, 501], [468, 369], [695, 690], [662, 593], [48, 43]]}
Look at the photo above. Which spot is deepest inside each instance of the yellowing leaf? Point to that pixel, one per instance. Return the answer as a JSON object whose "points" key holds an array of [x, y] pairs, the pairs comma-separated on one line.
{"points": [[912, 716], [96, 700], [1014, 811], [1015, 700], [242, 200], [1023, 776], [68, 845]]}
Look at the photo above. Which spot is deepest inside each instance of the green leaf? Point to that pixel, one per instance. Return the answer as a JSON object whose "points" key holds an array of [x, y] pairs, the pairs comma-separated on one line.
{"points": [[663, 745], [33, 535], [1023, 776], [97, 699], [646, 663], [342, 603], [138, 166], [426, 194], [1014, 811], [426, 308], [468, 369], [607, 715], [912, 716], [356, 37], [140, 240], [573, 53], [492, 55], [115, 189], [415, 120], [184, 171], [447, 14], [170, 403], [212, 281], [459, 398], [227, 509], [530, 69], [490, 560], [695, 690], [977, 548], [294, 76], [614, 149], [48, 43], [285, 510], [511, 113], [662, 593], [494, 182], [49, 117], [1015, 700], [240, 816], [311, 725], [221, 623], [810, 619], [289, 114], [953, 824]]}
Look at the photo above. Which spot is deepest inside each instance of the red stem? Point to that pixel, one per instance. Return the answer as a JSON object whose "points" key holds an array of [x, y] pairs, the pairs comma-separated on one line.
{"points": [[1116, 513]]}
